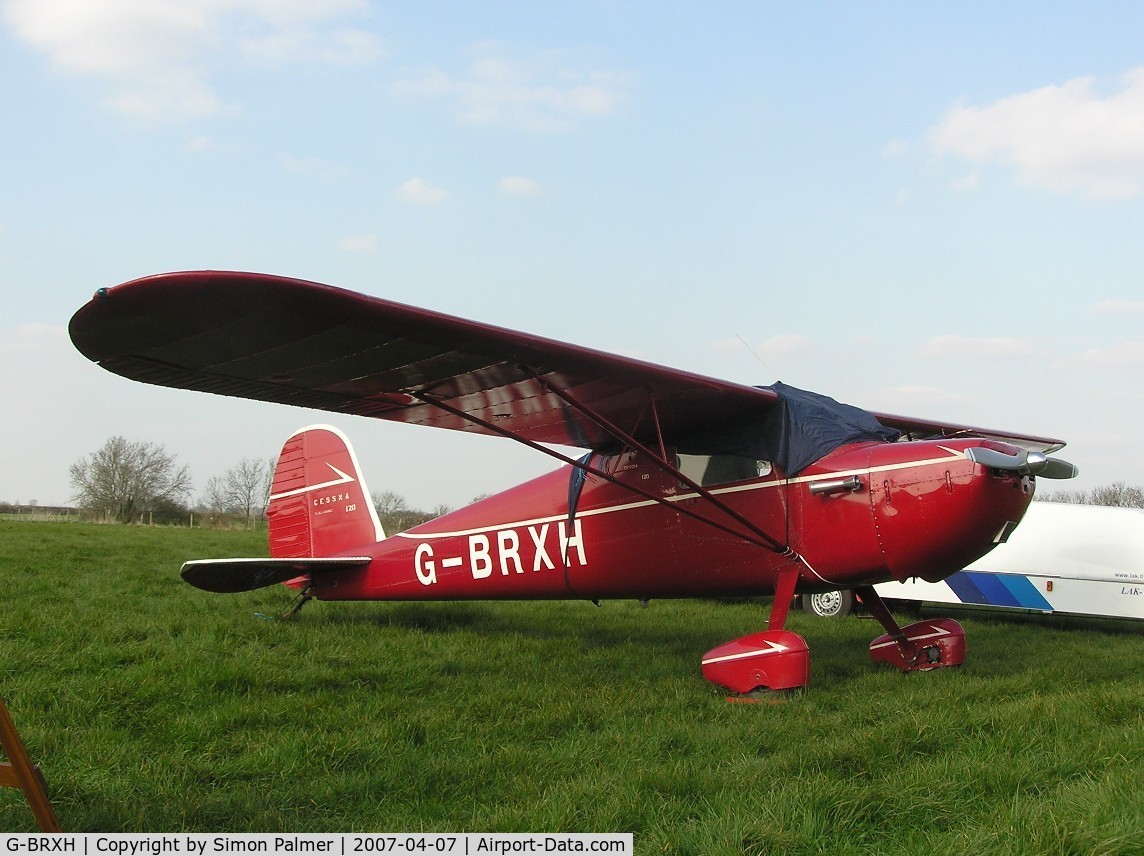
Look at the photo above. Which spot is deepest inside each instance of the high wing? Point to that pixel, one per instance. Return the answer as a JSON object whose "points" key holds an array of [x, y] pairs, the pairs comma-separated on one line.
{"points": [[290, 341], [914, 428], [293, 342]]}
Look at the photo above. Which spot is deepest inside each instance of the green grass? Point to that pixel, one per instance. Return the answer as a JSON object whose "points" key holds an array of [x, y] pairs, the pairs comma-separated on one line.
{"points": [[152, 706]]}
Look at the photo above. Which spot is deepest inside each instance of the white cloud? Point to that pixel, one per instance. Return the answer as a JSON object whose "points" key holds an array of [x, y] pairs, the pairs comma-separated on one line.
{"points": [[168, 97], [1118, 307], [515, 185], [905, 398], [158, 55], [420, 192], [543, 92], [776, 346], [784, 345], [776, 354], [728, 346], [966, 182], [358, 244], [943, 347], [896, 149], [1065, 138], [200, 144], [203, 145], [1123, 355], [295, 44], [33, 340], [113, 36], [313, 166]]}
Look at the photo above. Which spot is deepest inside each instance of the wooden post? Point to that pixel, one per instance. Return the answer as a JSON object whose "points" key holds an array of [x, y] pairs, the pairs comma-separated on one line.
{"points": [[20, 773]]}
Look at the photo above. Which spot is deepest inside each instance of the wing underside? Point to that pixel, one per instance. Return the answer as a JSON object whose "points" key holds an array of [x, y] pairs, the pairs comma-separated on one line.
{"points": [[294, 342]]}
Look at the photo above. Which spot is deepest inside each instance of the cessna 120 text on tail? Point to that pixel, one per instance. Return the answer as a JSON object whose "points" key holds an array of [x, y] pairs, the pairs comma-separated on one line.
{"points": [[689, 486]]}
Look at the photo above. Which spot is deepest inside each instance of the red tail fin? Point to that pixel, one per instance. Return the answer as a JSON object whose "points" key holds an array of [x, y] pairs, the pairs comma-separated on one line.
{"points": [[319, 503]]}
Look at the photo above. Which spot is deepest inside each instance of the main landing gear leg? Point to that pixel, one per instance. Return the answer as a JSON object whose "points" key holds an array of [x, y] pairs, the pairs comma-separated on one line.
{"points": [[775, 659], [917, 647]]}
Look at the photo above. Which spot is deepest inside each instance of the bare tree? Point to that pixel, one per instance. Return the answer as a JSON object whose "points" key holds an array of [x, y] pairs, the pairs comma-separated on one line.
{"points": [[1117, 493], [268, 481], [395, 515], [1076, 497], [124, 480], [241, 490], [389, 502], [214, 495]]}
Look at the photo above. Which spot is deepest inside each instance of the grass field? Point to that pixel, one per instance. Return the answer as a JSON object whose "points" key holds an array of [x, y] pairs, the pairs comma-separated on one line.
{"points": [[152, 706]]}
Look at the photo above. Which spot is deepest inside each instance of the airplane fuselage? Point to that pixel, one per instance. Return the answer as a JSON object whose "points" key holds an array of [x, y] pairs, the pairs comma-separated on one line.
{"points": [[867, 513]]}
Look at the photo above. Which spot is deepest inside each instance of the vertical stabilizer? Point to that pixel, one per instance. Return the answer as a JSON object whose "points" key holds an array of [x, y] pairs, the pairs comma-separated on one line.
{"points": [[319, 502]]}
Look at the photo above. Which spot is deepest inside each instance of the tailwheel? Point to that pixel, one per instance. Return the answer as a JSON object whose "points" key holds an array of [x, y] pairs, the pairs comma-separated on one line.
{"points": [[301, 600]]}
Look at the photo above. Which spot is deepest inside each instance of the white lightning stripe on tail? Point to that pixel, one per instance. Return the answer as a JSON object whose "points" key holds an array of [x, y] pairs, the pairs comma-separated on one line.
{"points": [[342, 478]]}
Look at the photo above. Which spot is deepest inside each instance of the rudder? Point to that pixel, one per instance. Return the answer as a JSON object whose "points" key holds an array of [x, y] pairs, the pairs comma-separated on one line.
{"points": [[319, 503]]}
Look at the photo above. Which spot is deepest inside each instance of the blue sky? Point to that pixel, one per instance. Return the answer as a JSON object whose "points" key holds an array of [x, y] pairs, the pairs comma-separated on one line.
{"points": [[926, 209]]}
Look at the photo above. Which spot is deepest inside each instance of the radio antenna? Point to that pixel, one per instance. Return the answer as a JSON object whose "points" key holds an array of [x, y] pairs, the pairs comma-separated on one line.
{"points": [[755, 354]]}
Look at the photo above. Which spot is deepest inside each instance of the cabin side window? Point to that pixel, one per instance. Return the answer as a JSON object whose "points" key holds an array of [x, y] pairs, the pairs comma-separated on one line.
{"points": [[710, 470]]}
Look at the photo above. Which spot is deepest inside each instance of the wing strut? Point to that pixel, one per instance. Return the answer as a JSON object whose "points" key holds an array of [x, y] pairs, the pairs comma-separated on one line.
{"points": [[660, 460], [754, 534]]}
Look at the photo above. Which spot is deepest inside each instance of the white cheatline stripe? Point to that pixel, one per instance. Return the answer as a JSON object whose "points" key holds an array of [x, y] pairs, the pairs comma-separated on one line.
{"points": [[535, 521], [629, 506]]}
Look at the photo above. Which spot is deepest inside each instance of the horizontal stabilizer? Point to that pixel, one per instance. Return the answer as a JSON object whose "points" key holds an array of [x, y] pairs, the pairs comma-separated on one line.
{"points": [[227, 576]]}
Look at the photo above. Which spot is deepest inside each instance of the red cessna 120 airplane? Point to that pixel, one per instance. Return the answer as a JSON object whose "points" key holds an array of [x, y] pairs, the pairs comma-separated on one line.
{"points": [[689, 487]]}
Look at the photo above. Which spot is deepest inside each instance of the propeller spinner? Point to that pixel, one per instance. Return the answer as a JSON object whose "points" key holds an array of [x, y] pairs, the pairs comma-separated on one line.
{"points": [[1023, 462]]}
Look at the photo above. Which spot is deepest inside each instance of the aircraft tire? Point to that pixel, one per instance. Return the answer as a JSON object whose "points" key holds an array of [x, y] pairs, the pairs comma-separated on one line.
{"points": [[829, 604]]}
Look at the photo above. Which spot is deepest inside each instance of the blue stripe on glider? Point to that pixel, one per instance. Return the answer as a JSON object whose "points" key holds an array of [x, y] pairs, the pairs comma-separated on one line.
{"points": [[995, 590], [986, 589], [965, 589]]}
